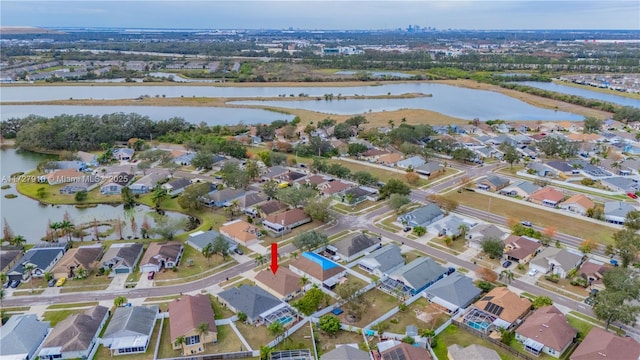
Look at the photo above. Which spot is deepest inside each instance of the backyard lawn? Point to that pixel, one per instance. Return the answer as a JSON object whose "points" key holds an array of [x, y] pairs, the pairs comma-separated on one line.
{"points": [[55, 317], [421, 314], [256, 336], [380, 303], [452, 335], [104, 353]]}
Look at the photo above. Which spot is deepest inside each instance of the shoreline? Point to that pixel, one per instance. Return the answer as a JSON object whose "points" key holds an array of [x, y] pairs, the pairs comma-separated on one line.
{"points": [[597, 89]]}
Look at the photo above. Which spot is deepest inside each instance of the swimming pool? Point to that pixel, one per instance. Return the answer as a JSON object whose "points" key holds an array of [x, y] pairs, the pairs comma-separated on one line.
{"points": [[324, 263], [479, 325], [285, 320]]}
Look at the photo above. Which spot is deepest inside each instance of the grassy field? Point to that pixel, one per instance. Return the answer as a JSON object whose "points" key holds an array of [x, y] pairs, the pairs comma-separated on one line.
{"points": [[562, 223], [256, 336], [380, 303], [458, 245], [228, 341], [72, 305], [56, 316], [398, 323], [452, 335]]}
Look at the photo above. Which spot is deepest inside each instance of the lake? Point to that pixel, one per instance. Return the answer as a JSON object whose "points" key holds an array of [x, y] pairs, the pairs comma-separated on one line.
{"points": [[449, 100], [585, 93], [192, 114], [29, 218]]}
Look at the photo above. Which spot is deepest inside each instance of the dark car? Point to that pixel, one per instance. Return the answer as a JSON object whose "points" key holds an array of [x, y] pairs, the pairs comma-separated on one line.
{"points": [[506, 264], [52, 282], [591, 299], [526, 223], [14, 284], [6, 285], [238, 251], [151, 275], [406, 229]]}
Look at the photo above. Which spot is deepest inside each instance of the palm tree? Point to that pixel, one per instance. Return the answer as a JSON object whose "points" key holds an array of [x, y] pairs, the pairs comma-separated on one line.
{"points": [[18, 240], [202, 330], [119, 301], [207, 252], [428, 333], [180, 341], [265, 352], [391, 123], [304, 280], [507, 275], [158, 196], [67, 226], [276, 329], [260, 260], [463, 229], [29, 268], [55, 227]]}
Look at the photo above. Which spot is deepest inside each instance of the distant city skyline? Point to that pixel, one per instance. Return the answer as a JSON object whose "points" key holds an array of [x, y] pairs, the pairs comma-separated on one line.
{"points": [[325, 15]]}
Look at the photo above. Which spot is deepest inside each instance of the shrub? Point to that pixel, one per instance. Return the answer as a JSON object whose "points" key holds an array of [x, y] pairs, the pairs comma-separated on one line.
{"points": [[409, 340], [554, 278], [402, 307], [242, 316], [419, 230], [579, 281], [485, 286]]}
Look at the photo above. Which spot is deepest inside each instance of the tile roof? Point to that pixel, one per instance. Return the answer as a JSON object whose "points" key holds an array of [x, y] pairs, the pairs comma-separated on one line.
{"points": [[580, 199], [315, 269], [288, 217], [284, 282], [188, 312], [240, 230], [511, 305], [548, 326]]}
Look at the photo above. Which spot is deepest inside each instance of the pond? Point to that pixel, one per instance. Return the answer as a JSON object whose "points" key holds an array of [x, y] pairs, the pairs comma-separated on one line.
{"points": [[30, 218], [585, 93]]}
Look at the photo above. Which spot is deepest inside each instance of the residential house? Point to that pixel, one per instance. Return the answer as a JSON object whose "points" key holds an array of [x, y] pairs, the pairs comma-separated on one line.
{"points": [[547, 196], [255, 302], [312, 181], [185, 159], [499, 308], [411, 163], [473, 351], [224, 197], [176, 186], [578, 204], [274, 172], [372, 155], [556, 261], [123, 154], [241, 232], [122, 258], [540, 169], [422, 216], [318, 269], [356, 195], [382, 261], [200, 239], [89, 159], [389, 159], [271, 208], [452, 226], [284, 284], [521, 249], [86, 183], [249, 200], [620, 184], [21, 337], [115, 183], [593, 271], [453, 293], [406, 352], [432, 168], [345, 351], [63, 176], [351, 248], [130, 329], [75, 337], [588, 169], [493, 183], [477, 234], [562, 168], [602, 344], [546, 331], [8, 258], [334, 188], [65, 165], [146, 183], [43, 260], [186, 315], [284, 222], [616, 211], [161, 255], [418, 274], [78, 262], [290, 177], [522, 189]]}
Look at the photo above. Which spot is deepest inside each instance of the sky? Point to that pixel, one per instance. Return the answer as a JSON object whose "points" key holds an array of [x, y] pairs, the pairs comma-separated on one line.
{"points": [[316, 14]]}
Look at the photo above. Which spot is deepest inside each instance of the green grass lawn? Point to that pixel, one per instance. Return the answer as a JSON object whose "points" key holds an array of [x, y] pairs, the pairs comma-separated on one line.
{"points": [[452, 335], [73, 305], [256, 336], [457, 246], [380, 303], [398, 323], [56, 316]]}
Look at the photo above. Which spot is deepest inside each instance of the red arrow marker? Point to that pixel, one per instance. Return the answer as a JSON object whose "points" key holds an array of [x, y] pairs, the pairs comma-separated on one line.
{"points": [[274, 258]]}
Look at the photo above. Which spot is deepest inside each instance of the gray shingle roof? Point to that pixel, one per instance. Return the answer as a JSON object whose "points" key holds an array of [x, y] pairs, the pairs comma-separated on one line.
{"points": [[497, 181], [388, 257], [618, 208], [456, 289], [251, 300], [131, 321], [202, 239], [354, 245], [420, 272], [345, 352], [21, 334], [76, 332], [41, 257], [423, 215]]}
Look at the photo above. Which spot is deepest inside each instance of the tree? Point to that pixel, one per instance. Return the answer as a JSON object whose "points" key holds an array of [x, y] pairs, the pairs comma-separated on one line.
{"points": [[252, 170], [463, 229], [207, 252], [352, 299], [260, 260], [463, 154], [276, 329], [270, 188], [7, 232], [588, 246], [507, 336], [265, 352], [486, 274], [311, 301], [233, 176], [296, 196], [318, 209], [493, 247], [167, 228], [632, 220], [412, 177], [190, 197], [144, 166], [310, 240], [616, 301], [18, 241], [202, 330], [158, 195], [203, 160], [180, 342], [127, 197], [220, 246], [304, 280], [626, 245], [394, 186], [29, 270], [419, 230], [329, 324], [80, 196], [355, 149], [364, 178], [119, 301], [511, 155], [242, 316], [506, 274], [397, 201], [591, 125], [541, 301], [41, 192]]}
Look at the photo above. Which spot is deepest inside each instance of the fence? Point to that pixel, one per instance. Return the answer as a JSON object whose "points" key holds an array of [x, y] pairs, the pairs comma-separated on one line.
{"points": [[514, 352], [229, 355]]}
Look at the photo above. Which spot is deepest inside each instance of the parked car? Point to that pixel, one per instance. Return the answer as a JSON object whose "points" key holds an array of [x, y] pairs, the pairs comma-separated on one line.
{"points": [[14, 284], [52, 282], [6, 285], [591, 299], [632, 195], [151, 275], [526, 223], [61, 281], [506, 264], [406, 229], [238, 251], [533, 272]]}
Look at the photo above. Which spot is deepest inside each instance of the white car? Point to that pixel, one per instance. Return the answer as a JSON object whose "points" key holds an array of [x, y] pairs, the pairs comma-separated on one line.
{"points": [[533, 272]]}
